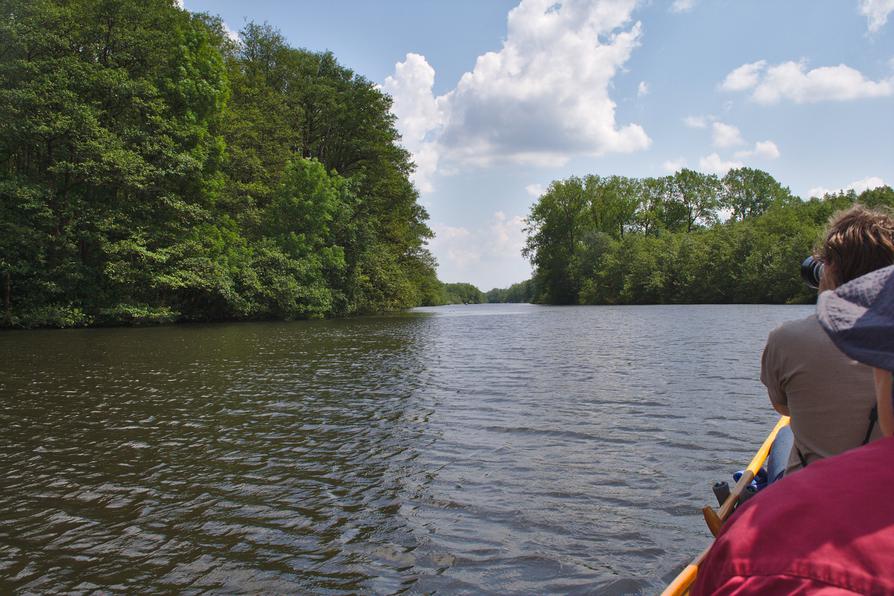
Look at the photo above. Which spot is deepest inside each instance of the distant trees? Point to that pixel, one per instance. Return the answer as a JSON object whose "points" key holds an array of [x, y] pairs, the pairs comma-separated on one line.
{"points": [[462, 293], [522, 292], [689, 237], [151, 169]]}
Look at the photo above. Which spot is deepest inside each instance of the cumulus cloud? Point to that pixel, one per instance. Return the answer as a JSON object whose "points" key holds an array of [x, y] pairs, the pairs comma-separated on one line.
{"points": [[535, 190], [876, 13], [792, 81], [487, 257], [744, 77], [642, 89], [682, 5], [544, 95], [179, 4], [766, 149], [507, 234], [542, 98], [419, 113], [697, 121], [713, 164], [726, 135], [674, 165], [452, 244], [763, 149], [857, 186]]}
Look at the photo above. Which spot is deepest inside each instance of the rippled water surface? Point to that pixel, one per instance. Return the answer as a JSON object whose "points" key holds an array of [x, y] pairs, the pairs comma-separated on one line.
{"points": [[476, 449]]}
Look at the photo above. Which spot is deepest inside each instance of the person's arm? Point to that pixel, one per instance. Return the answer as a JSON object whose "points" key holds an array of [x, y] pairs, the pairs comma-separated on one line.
{"points": [[771, 374]]}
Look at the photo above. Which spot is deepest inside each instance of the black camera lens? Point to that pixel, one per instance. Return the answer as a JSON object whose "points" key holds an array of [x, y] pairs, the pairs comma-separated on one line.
{"points": [[812, 272]]}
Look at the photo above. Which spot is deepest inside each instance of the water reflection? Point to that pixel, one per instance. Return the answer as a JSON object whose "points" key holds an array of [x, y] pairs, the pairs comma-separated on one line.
{"points": [[476, 449]]}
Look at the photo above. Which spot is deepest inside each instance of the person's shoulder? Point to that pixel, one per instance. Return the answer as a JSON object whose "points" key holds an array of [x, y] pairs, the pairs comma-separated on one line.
{"points": [[796, 330]]}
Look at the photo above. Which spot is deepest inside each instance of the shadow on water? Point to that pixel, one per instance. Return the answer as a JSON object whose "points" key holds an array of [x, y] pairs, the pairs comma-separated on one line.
{"points": [[480, 449]]}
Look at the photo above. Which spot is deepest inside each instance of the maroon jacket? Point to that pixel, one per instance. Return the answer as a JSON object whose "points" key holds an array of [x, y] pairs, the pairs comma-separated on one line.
{"points": [[828, 529]]}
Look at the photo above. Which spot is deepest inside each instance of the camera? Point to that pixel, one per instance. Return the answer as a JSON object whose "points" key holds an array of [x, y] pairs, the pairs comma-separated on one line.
{"points": [[812, 272]]}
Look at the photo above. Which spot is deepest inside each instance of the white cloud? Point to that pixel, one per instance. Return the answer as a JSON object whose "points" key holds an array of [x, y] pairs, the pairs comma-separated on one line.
{"points": [[674, 165], [767, 149], [726, 135], [876, 12], [487, 257], [642, 89], [179, 4], [507, 234], [713, 164], [419, 114], [792, 81], [682, 5], [744, 77], [541, 99], [697, 121], [535, 190], [453, 245], [857, 186], [763, 149]]}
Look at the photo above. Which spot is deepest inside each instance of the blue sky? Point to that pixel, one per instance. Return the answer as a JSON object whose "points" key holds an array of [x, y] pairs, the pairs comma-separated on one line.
{"points": [[496, 98]]}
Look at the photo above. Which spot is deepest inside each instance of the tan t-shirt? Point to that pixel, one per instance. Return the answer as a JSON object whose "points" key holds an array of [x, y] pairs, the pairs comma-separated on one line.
{"points": [[828, 395]]}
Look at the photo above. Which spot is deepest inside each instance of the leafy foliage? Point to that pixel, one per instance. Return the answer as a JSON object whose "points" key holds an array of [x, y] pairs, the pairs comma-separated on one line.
{"points": [[153, 170], [522, 292], [463, 293], [627, 241]]}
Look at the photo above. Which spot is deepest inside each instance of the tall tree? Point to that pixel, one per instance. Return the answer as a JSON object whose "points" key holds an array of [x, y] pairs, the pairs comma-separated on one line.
{"points": [[555, 227], [696, 195], [747, 192]]}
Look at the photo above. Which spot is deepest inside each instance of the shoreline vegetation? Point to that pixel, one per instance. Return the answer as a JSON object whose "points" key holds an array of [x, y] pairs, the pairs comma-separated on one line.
{"points": [[154, 170], [688, 238]]}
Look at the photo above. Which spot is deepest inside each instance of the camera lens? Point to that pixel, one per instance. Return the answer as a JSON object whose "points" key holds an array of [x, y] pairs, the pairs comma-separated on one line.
{"points": [[812, 272]]}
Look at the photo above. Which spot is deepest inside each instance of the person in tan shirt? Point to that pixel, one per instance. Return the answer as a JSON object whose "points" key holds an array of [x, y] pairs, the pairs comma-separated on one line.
{"points": [[829, 397]]}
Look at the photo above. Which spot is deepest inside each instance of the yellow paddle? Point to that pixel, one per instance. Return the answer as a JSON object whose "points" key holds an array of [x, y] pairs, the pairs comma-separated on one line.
{"points": [[715, 519], [684, 580]]}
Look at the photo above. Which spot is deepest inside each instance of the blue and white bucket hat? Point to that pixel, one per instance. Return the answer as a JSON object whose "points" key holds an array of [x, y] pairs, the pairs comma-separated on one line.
{"points": [[859, 317]]}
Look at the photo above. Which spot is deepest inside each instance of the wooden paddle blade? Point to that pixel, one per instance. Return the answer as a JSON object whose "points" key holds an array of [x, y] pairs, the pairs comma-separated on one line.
{"points": [[712, 519]]}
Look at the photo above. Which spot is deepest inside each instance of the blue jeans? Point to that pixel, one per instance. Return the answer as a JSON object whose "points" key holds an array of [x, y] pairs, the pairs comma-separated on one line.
{"points": [[777, 461]]}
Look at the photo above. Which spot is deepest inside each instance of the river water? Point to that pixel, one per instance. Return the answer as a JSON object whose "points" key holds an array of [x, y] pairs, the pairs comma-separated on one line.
{"points": [[468, 449]]}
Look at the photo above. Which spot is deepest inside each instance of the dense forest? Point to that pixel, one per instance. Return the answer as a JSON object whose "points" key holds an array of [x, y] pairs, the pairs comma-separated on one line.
{"points": [[685, 238], [524, 291], [461, 293], [152, 169]]}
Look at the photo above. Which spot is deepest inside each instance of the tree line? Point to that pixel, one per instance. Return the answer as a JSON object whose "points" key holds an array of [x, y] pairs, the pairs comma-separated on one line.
{"points": [[152, 169], [685, 238]]}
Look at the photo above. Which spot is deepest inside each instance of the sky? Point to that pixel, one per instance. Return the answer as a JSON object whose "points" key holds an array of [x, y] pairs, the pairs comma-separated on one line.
{"points": [[497, 98]]}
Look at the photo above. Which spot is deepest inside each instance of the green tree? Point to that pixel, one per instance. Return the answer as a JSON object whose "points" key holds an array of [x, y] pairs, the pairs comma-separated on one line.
{"points": [[151, 169], [555, 228], [746, 192], [695, 194]]}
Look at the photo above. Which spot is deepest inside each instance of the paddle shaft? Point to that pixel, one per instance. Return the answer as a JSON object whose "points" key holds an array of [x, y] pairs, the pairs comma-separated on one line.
{"points": [[748, 475], [684, 580]]}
